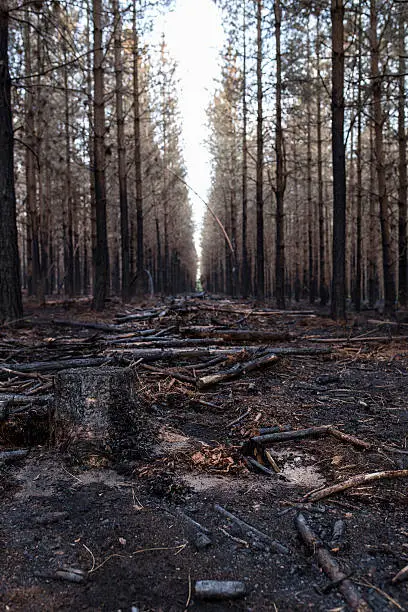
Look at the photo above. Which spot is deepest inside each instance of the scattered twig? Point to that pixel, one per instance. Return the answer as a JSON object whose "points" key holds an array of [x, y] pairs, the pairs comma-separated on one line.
{"points": [[239, 419], [189, 591], [368, 584], [92, 558], [178, 549], [163, 372], [237, 540]]}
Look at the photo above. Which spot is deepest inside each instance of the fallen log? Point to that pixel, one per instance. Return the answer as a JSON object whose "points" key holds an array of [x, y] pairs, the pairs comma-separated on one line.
{"points": [[169, 342], [364, 339], [258, 313], [247, 528], [241, 335], [283, 436], [18, 398], [13, 454], [78, 324], [53, 366], [236, 370], [330, 566], [142, 316], [155, 354], [354, 481]]}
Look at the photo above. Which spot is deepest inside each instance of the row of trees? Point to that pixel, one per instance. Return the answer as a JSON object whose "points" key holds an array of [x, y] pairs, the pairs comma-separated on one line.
{"points": [[311, 106], [96, 189]]}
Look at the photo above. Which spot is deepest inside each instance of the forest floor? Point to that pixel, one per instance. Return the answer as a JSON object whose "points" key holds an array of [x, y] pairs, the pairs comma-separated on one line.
{"points": [[123, 521]]}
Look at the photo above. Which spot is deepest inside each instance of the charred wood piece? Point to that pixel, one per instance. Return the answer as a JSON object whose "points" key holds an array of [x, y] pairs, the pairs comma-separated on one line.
{"points": [[329, 565], [236, 370], [249, 529], [219, 589]]}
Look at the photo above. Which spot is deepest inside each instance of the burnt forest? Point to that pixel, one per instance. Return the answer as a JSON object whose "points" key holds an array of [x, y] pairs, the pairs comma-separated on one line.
{"points": [[203, 305]]}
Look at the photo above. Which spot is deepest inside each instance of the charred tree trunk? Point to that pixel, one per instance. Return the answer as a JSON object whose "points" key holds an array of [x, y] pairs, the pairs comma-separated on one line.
{"points": [[402, 168], [10, 292], [33, 263], [338, 303], [245, 272], [280, 168], [122, 173], [101, 261], [359, 194], [68, 204], [310, 202], [323, 293], [139, 282], [260, 252], [385, 222], [372, 251]]}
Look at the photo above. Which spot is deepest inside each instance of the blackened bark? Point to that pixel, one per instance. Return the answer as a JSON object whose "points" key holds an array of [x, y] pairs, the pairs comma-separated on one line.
{"points": [[385, 222], [122, 171], [245, 272], [101, 261], [310, 203], [10, 292], [280, 170], [260, 254], [359, 195], [139, 283], [338, 302], [323, 292], [402, 169]]}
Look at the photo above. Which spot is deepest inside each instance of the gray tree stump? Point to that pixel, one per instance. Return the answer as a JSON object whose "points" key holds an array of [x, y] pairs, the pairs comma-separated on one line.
{"points": [[97, 413]]}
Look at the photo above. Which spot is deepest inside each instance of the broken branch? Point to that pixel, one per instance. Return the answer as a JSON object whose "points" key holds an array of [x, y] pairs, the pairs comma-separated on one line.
{"points": [[354, 481]]}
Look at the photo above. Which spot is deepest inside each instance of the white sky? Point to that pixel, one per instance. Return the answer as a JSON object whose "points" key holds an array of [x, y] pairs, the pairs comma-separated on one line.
{"points": [[194, 36]]}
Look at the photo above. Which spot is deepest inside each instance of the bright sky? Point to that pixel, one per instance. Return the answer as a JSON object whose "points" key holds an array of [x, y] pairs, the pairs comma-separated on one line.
{"points": [[195, 36]]}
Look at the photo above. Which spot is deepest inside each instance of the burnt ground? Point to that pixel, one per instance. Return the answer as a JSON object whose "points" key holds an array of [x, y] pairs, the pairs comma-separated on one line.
{"points": [[120, 522]]}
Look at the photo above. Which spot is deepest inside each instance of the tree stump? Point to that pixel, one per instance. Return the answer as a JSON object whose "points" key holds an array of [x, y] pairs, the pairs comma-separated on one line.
{"points": [[97, 415]]}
